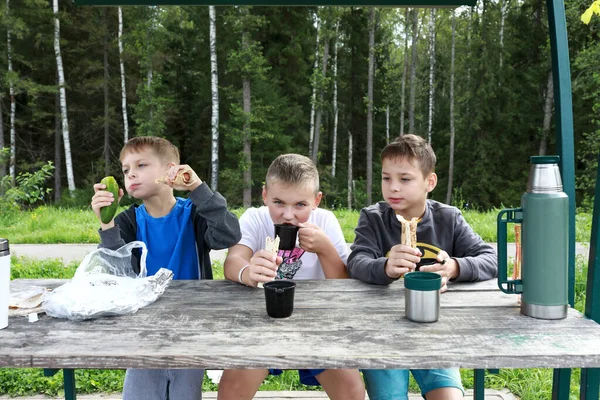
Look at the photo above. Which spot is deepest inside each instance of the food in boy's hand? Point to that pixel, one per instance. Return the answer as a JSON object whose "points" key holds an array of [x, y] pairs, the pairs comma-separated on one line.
{"points": [[184, 177], [409, 231], [272, 245], [108, 213]]}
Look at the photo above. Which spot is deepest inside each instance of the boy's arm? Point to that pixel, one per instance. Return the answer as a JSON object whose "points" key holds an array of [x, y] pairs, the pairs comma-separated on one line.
{"points": [[476, 259], [238, 256], [366, 261], [223, 228]]}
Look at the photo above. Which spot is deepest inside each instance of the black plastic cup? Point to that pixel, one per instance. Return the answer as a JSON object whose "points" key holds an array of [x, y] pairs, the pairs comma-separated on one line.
{"points": [[279, 296], [287, 236]]}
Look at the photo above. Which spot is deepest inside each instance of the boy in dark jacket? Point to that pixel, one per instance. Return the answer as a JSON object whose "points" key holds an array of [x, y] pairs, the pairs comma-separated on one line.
{"points": [[178, 233], [446, 244]]}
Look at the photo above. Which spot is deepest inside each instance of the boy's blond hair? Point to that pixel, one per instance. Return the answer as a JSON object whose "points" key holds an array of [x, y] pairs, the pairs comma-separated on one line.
{"points": [[164, 149], [293, 169], [411, 147]]}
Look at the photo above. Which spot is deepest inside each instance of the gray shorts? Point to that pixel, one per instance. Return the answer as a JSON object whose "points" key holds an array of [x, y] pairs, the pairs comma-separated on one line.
{"points": [[163, 384]]}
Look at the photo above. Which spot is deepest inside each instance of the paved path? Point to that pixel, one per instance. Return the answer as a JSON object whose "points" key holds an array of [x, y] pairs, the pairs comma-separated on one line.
{"points": [[76, 252], [490, 394]]}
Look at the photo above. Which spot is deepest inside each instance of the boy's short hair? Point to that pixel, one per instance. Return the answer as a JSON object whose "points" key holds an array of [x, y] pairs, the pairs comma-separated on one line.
{"points": [[412, 147], [164, 149], [293, 169]]}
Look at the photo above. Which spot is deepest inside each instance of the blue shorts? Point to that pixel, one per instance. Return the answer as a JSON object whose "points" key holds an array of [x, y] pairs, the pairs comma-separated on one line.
{"points": [[307, 376], [392, 384]]}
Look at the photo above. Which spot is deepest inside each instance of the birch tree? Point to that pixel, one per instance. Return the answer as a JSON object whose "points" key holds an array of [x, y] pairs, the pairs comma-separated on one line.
{"points": [[370, 105], [63, 98], [431, 72], [404, 72], [214, 86], [57, 149], [451, 151], [247, 106], [106, 109], [335, 101], [413, 72], [321, 83], [504, 10], [123, 87], [315, 73], [11, 91], [350, 170]]}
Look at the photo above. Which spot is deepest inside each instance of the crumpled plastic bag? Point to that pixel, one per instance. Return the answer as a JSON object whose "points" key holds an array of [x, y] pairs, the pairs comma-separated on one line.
{"points": [[105, 284]]}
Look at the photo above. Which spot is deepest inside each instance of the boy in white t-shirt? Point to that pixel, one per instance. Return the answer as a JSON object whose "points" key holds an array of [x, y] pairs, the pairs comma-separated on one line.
{"points": [[291, 196]]}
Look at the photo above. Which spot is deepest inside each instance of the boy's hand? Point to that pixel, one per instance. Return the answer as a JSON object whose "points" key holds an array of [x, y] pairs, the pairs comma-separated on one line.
{"points": [[447, 267], [401, 259], [312, 238], [103, 198], [263, 267], [188, 180]]}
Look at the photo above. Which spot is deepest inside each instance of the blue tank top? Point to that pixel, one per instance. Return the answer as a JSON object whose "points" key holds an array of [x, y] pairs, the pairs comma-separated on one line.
{"points": [[170, 240]]}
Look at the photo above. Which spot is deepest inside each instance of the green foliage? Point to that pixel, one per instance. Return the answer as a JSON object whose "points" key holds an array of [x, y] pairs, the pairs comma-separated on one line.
{"points": [[29, 188]]}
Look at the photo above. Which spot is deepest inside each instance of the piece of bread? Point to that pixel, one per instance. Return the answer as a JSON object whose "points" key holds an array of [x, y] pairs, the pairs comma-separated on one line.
{"points": [[409, 231], [272, 245], [184, 177]]}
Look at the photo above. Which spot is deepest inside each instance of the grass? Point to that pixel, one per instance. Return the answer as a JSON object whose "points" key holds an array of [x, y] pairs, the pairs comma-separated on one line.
{"points": [[58, 225], [528, 384]]}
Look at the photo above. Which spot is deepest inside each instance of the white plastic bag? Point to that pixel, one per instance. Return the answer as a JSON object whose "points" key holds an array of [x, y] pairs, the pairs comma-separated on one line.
{"points": [[105, 284]]}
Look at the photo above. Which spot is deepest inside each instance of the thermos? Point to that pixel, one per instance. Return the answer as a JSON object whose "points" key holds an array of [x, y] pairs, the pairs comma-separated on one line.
{"points": [[4, 282], [544, 219]]}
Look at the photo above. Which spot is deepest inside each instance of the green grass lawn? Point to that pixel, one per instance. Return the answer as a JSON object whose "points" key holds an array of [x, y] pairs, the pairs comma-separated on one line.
{"points": [[528, 384], [56, 225]]}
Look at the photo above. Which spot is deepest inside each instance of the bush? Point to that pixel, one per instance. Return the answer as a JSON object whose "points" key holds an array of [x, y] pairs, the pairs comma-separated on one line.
{"points": [[29, 189]]}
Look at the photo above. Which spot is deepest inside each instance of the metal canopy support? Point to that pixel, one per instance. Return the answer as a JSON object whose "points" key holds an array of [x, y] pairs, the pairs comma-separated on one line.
{"points": [[561, 72], [590, 378]]}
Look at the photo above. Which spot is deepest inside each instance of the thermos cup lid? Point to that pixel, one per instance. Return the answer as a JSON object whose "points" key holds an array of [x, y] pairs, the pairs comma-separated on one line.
{"points": [[421, 280], [544, 159], [4, 247]]}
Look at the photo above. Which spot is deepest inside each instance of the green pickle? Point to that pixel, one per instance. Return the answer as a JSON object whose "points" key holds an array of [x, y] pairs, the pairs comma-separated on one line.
{"points": [[108, 213]]}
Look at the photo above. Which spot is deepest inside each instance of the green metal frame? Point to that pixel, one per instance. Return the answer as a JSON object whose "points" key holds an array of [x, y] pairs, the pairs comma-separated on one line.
{"points": [[375, 3], [564, 142]]}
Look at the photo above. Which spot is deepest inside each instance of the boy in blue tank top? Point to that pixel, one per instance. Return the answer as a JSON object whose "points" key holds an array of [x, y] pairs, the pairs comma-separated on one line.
{"points": [[178, 233]]}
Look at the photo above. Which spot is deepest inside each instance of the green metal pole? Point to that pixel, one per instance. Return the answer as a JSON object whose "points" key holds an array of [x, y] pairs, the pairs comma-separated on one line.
{"points": [[590, 378], [565, 145]]}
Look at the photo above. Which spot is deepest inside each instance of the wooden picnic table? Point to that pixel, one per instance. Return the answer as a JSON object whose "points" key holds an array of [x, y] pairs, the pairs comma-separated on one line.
{"points": [[335, 324]]}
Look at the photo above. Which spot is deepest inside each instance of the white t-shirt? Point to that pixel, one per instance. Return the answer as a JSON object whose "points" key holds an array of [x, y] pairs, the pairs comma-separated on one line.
{"points": [[256, 224]]}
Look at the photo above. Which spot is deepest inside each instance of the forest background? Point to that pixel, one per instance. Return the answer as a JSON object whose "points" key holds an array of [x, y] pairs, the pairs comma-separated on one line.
{"points": [[233, 87]]}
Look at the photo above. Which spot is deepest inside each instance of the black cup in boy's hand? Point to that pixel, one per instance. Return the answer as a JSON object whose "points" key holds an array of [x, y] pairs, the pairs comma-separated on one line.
{"points": [[287, 236]]}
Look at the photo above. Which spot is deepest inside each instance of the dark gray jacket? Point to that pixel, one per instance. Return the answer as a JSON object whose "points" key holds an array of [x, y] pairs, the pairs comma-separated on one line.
{"points": [[441, 228], [215, 228]]}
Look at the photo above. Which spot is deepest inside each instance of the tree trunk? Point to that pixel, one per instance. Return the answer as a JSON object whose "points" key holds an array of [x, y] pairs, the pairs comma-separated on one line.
{"points": [[2, 160], [246, 97], [319, 108], [370, 105], [63, 99], [106, 79], [335, 102], [431, 72], [404, 72], [505, 4], [57, 151], [451, 155], [387, 124], [313, 98], [468, 85], [413, 73], [349, 170], [13, 135], [123, 88], [214, 85], [547, 114]]}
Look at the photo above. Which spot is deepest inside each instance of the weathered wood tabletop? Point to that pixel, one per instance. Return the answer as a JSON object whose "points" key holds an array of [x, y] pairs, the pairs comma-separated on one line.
{"points": [[335, 324]]}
